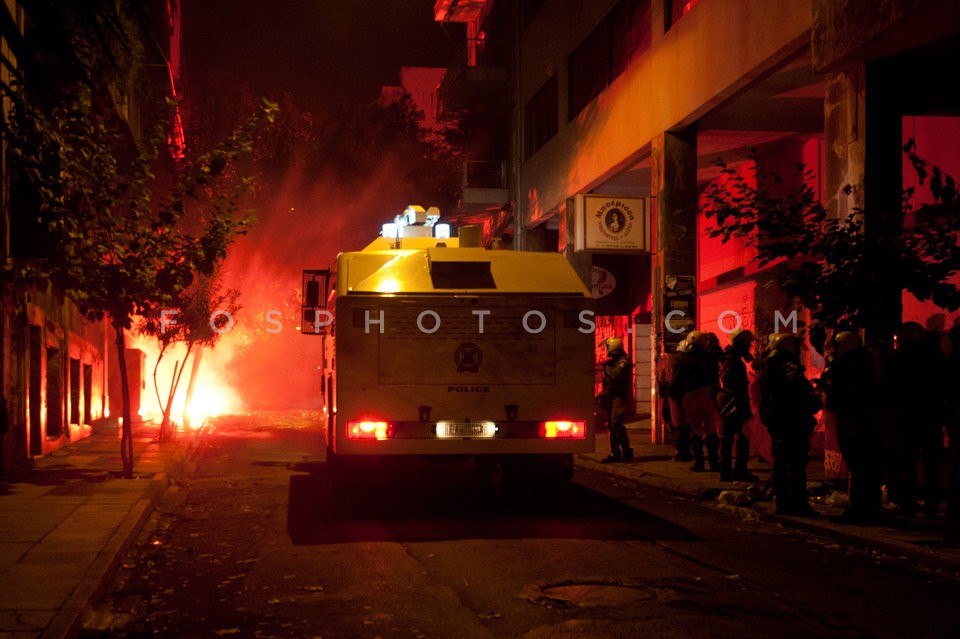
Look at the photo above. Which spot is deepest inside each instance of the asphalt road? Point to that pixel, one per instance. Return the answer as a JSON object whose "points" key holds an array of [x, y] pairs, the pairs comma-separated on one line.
{"points": [[251, 543]]}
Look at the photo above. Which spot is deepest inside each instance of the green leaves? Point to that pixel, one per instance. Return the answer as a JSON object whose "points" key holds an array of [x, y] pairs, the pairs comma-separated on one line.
{"points": [[121, 240], [826, 263]]}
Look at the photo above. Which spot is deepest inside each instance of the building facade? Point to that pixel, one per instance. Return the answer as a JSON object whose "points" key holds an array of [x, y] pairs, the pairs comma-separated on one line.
{"points": [[631, 103]]}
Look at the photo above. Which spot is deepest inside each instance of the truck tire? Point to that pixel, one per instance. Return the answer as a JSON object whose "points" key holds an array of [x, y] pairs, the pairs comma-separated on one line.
{"points": [[531, 475], [352, 479], [341, 488]]}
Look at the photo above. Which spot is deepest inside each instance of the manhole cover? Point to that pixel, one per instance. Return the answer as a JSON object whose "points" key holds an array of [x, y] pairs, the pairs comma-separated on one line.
{"points": [[586, 595]]}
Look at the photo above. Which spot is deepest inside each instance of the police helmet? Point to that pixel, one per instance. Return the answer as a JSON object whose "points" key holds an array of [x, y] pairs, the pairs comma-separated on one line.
{"points": [[785, 342], [846, 341], [911, 332], [741, 337], [613, 344], [694, 337]]}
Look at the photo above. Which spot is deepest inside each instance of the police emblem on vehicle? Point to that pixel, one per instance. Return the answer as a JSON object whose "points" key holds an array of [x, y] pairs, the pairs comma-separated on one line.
{"points": [[468, 357]]}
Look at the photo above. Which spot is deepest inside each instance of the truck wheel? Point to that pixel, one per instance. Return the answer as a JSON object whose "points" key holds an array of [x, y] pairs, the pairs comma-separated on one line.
{"points": [[548, 476], [507, 478], [531, 475], [562, 467], [338, 475]]}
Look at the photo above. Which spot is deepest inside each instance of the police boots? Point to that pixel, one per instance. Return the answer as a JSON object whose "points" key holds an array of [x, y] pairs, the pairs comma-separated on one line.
{"points": [[683, 445], [696, 447], [713, 447], [740, 472], [726, 458]]}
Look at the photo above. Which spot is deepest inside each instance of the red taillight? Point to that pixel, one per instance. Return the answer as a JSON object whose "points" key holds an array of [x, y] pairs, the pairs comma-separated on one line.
{"points": [[563, 429], [367, 429]]}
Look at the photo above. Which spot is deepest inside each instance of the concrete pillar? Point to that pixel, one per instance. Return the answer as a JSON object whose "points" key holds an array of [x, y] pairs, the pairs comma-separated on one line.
{"points": [[863, 171], [843, 141], [674, 182], [882, 203]]}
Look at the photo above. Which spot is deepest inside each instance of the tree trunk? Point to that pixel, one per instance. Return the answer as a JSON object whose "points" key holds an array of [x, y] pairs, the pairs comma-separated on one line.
{"points": [[156, 367], [166, 407], [190, 386], [126, 435], [174, 385]]}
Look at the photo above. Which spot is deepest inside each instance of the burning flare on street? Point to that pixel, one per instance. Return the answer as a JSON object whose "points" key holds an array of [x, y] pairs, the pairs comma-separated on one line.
{"points": [[211, 394]]}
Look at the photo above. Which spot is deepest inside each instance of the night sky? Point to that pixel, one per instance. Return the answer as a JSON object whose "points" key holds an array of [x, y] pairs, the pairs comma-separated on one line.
{"points": [[316, 55], [313, 50]]}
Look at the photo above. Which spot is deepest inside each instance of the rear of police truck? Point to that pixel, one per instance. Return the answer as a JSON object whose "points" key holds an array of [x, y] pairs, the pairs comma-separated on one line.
{"points": [[447, 350]]}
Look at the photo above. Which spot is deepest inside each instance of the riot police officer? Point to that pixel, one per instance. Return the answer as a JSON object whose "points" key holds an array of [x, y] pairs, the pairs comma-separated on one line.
{"points": [[914, 379], [734, 404], [851, 387], [674, 396], [617, 379], [788, 404], [696, 379]]}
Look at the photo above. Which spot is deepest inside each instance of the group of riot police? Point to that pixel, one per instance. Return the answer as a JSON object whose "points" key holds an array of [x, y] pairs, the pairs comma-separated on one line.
{"points": [[894, 406], [891, 406], [709, 403]]}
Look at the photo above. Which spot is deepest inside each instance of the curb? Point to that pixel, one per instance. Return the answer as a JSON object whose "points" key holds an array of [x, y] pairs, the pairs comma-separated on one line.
{"points": [[68, 623], [648, 479], [895, 550], [902, 551]]}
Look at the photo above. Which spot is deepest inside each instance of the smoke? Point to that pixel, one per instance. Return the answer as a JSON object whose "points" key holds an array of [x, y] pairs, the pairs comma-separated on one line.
{"points": [[261, 361], [302, 224], [332, 179]]}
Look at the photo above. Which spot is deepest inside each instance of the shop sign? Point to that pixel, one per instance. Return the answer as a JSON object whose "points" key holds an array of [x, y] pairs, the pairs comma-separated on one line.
{"points": [[612, 223], [604, 282]]}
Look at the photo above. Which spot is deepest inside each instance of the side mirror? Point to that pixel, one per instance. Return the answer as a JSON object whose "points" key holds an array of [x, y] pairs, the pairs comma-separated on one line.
{"points": [[315, 283]]}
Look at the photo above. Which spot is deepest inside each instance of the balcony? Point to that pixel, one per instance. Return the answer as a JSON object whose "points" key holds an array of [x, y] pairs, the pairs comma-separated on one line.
{"points": [[467, 87], [483, 190]]}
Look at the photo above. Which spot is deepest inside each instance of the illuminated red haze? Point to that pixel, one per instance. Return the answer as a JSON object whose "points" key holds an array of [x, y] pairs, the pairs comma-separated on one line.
{"points": [[264, 358]]}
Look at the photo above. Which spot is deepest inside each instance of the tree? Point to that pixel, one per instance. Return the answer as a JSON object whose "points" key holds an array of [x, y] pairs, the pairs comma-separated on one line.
{"points": [[821, 260], [122, 242], [201, 316], [354, 147], [120, 248]]}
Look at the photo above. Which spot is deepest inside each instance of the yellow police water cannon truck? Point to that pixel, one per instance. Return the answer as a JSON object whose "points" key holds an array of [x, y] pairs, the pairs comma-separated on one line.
{"points": [[435, 346]]}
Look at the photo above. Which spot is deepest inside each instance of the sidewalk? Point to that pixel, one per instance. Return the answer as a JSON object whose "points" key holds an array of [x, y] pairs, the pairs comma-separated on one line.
{"points": [[917, 541], [65, 524]]}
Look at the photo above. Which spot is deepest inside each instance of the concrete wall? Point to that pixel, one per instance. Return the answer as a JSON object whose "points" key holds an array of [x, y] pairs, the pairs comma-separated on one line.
{"points": [[717, 49], [847, 31]]}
